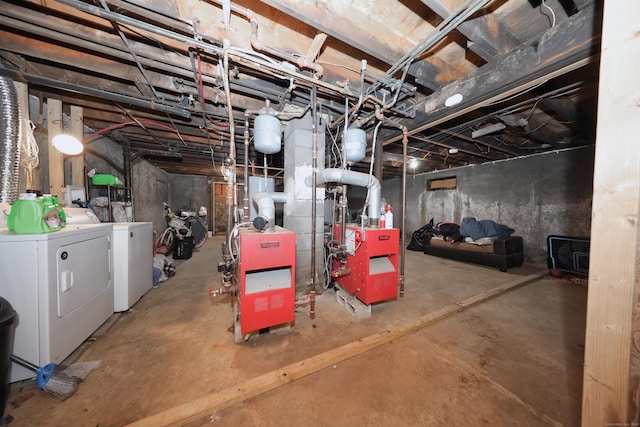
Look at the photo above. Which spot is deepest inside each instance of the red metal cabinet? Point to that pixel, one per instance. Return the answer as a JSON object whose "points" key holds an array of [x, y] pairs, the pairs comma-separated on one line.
{"points": [[372, 256], [266, 273]]}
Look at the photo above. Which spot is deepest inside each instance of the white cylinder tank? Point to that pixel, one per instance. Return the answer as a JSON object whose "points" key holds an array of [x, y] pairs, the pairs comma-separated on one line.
{"points": [[267, 135], [355, 144]]}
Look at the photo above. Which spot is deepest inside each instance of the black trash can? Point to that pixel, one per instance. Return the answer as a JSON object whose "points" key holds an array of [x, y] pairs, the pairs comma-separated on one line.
{"points": [[183, 248], [7, 320]]}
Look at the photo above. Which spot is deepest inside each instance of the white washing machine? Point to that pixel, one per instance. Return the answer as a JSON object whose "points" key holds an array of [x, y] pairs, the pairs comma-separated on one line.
{"points": [[132, 262], [60, 285]]}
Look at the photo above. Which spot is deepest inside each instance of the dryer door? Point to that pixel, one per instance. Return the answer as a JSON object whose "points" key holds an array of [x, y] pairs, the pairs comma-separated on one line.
{"points": [[83, 272]]}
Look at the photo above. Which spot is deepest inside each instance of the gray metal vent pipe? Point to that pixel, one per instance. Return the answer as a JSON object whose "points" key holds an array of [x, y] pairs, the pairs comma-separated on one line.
{"points": [[10, 137], [266, 204], [360, 179]]}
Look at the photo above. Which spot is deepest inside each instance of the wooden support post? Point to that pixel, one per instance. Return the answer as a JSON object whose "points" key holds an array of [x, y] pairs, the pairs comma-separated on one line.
{"points": [[56, 158], [612, 354], [192, 411], [77, 162]]}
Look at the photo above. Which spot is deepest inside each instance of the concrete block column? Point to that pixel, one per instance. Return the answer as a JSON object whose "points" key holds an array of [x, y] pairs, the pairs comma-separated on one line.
{"points": [[297, 214]]}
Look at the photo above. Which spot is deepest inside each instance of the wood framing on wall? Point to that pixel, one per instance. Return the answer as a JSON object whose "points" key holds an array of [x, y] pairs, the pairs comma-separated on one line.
{"points": [[612, 357]]}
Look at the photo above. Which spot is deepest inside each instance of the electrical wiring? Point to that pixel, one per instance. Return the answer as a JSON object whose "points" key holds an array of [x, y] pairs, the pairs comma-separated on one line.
{"points": [[232, 239], [29, 157], [336, 154], [202, 98], [119, 125], [551, 13]]}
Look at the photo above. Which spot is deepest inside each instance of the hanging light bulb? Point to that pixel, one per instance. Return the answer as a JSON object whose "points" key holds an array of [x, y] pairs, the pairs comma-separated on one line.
{"points": [[67, 144]]}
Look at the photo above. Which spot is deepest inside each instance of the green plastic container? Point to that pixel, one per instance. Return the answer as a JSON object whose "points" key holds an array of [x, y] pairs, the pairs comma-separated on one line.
{"points": [[50, 214], [105, 179], [26, 215], [61, 213]]}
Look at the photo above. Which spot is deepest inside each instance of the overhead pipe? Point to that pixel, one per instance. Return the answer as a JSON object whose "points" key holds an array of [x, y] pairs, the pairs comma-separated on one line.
{"points": [[155, 153], [231, 183], [10, 138], [314, 168], [126, 168], [245, 200], [258, 45], [360, 179], [111, 96], [199, 42], [405, 143]]}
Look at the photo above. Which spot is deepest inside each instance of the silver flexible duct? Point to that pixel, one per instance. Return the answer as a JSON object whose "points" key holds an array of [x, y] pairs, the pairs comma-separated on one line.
{"points": [[344, 176], [10, 137]]}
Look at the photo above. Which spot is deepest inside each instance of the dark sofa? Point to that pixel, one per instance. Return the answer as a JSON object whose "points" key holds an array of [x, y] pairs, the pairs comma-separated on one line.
{"points": [[503, 254]]}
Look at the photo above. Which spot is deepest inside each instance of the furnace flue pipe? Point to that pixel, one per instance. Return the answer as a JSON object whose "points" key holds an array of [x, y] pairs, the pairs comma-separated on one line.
{"points": [[360, 179], [266, 204]]}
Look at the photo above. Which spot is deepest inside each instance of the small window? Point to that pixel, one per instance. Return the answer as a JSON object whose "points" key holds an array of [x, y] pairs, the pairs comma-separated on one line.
{"points": [[448, 183]]}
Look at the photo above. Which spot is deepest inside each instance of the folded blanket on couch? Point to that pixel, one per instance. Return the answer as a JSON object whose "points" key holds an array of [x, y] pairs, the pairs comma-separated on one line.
{"points": [[484, 228]]}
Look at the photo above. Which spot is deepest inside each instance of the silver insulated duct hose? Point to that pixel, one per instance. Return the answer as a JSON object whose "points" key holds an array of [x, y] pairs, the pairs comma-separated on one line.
{"points": [[10, 137]]}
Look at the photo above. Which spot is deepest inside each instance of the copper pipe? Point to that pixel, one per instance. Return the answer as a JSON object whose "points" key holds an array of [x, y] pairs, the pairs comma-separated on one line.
{"points": [[341, 272], [405, 142], [314, 167], [245, 213]]}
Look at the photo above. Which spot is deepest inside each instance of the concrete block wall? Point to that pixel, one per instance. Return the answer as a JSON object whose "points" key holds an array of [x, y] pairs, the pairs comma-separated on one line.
{"points": [[539, 195], [297, 214]]}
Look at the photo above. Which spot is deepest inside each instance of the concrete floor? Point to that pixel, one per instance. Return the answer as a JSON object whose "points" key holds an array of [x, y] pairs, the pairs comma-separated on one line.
{"points": [[514, 360]]}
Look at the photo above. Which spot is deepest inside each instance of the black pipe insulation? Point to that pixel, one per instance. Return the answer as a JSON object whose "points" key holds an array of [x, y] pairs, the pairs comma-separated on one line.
{"points": [[111, 96]]}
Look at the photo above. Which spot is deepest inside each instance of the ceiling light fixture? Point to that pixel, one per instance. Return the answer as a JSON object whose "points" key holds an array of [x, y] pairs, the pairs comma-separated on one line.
{"points": [[413, 163], [67, 144], [453, 100], [453, 151]]}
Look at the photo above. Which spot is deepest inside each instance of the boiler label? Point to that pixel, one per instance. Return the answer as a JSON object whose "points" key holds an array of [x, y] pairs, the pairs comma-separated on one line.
{"points": [[269, 245]]}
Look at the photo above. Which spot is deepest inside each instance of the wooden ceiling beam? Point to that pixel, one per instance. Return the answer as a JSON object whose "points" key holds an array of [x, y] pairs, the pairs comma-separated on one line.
{"points": [[375, 38], [561, 49], [488, 37]]}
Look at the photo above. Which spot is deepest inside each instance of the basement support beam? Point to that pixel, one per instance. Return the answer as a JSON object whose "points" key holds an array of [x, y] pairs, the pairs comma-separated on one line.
{"points": [[561, 49], [611, 393], [344, 25], [488, 37]]}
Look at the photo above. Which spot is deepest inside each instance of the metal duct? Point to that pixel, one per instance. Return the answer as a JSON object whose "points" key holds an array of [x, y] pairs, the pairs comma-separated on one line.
{"points": [[360, 179], [266, 204], [10, 137]]}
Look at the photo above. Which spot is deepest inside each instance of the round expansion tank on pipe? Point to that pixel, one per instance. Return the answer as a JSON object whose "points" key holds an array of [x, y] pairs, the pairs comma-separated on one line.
{"points": [[355, 142], [267, 135]]}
